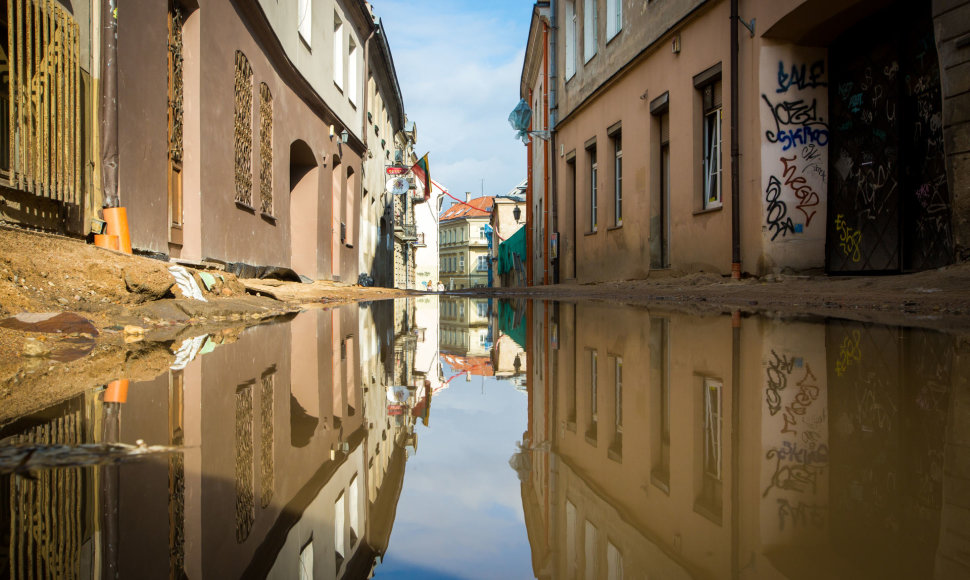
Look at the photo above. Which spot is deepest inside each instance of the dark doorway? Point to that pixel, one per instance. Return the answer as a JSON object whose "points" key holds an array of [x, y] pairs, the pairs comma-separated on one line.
{"points": [[889, 204]]}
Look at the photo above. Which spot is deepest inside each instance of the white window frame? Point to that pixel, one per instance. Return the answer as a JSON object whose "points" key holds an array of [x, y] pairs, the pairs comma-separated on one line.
{"points": [[338, 51], [713, 412], [352, 72], [483, 263], [589, 30], [461, 263], [614, 18], [304, 20], [713, 152], [570, 39]]}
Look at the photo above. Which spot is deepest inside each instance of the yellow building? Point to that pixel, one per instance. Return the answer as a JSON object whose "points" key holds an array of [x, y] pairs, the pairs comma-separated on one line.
{"points": [[463, 245]]}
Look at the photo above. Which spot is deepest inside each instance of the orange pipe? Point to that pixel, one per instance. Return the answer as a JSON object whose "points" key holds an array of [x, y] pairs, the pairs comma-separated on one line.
{"points": [[117, 225], [117, 391], [106, 241]]}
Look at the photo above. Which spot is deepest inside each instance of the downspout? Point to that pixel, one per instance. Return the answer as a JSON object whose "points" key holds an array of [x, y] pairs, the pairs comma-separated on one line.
{"points": [[546, 257], [109, 102], [529, 218], [735, 151]]}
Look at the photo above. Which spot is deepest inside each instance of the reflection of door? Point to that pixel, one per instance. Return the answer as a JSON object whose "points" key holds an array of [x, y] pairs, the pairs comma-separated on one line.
{"points": [[889, 206], [175, 132]]}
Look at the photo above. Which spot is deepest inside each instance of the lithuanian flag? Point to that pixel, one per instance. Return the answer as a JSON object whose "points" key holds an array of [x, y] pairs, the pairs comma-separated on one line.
{"points": [[422, 171]]}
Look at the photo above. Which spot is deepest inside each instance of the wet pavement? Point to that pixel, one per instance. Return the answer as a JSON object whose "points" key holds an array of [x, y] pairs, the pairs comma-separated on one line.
{"points": [[460, 437]]}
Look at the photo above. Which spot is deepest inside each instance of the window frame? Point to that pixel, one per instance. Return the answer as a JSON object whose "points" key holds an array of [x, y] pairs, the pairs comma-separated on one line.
{"points": [[304, 21], [338, 51], [617, 142], [614, 18], [570, 48], [711, 161], [590, 40], [593, 192]]}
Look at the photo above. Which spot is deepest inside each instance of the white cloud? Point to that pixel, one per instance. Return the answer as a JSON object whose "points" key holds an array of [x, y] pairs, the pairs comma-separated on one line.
{"points": [[459, 65]]}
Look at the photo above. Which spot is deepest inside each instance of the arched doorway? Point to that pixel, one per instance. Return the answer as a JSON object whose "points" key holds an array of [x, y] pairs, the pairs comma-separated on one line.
{"points": [[304, 184]]}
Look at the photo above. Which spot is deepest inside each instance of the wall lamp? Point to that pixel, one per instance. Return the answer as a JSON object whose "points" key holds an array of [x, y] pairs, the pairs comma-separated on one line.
{"points": [[344, 135]]}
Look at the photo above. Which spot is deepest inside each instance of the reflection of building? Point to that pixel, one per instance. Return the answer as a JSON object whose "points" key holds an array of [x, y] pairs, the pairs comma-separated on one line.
{"points": [[465, 326], [289, 463], [682, 447], [463, 243], [426, 262]]}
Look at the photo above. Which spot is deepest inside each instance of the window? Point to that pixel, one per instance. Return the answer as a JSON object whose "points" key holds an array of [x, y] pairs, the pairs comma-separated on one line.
{"points": [[265, 149], [593, 176], [617, 180], [570, 39], [243, 133], [711, 94], [304, 17], [338, 51], [592, 551], [482, 263], [352, 73], [482, 312], [306, 561], [614, 562], [614, 18], [618, 391], [461, 263], [352, 493], [481, 233], [589, 30]]}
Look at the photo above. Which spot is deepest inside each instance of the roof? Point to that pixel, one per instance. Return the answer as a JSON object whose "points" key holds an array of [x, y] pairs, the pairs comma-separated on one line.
{"points": [[478, 207]]}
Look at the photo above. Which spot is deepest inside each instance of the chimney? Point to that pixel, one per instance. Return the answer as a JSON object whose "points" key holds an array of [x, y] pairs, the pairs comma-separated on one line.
{"points": [[468, 196]]}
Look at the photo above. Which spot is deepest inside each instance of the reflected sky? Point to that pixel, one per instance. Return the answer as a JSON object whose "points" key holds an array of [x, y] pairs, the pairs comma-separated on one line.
{"points": [[460, 512]]}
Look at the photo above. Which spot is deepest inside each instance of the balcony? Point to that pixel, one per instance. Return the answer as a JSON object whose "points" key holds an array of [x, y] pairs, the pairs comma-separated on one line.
{"points": [[405, 231]]}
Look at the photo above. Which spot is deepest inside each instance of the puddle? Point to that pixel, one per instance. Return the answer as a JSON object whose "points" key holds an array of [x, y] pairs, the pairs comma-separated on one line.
{"points": [[461, 437]]}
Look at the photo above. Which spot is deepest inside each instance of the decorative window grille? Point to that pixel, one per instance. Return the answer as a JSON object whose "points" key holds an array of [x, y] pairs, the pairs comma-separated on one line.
{"points": [[42, 104], [245, 481], [244, 130], [175, 122], [265, 149], [267, 467]]}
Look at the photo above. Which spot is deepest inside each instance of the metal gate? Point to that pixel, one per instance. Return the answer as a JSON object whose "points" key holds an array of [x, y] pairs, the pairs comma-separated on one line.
{"points": [[889, 205]]}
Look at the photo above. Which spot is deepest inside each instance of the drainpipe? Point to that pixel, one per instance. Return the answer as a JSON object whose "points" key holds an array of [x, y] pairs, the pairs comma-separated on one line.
{"points": [[109, 103], [735, 151], [546, 258]]}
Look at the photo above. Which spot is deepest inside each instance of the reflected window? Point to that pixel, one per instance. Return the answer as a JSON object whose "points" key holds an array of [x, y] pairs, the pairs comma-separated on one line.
{"points": [[352, 493], [571, 553], [614, 562], [245, 464], [593, 389], [306, 561], [709, 503], [660, 396], [591, 551], [338, 530], [616, 446]]}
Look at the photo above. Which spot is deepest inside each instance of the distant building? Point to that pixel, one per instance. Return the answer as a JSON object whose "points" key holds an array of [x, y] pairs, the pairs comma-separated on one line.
{"points": [[463, 243], [508, 217], [426, 262]]}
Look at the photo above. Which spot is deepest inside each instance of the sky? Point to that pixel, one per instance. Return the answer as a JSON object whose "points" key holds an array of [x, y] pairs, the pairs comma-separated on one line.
{"points": [[460, 512], [459, 64]]}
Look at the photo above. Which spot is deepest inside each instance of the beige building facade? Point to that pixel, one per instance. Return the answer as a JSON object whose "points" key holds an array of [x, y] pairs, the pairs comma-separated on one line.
{"points": [[643, 121]]}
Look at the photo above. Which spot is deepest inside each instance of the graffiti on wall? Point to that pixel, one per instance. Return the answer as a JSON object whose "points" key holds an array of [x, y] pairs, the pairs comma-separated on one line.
{"points": [[795, 139], [795, 444]]}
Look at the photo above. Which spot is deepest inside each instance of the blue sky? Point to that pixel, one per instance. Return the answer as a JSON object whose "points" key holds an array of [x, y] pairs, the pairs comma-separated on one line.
{"points": [[460, 512], [459, 63]]}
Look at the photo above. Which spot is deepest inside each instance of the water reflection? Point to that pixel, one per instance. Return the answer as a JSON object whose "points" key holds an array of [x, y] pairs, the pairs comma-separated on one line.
{"points": [[674, 446], [295, 438], [652, 445]]}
